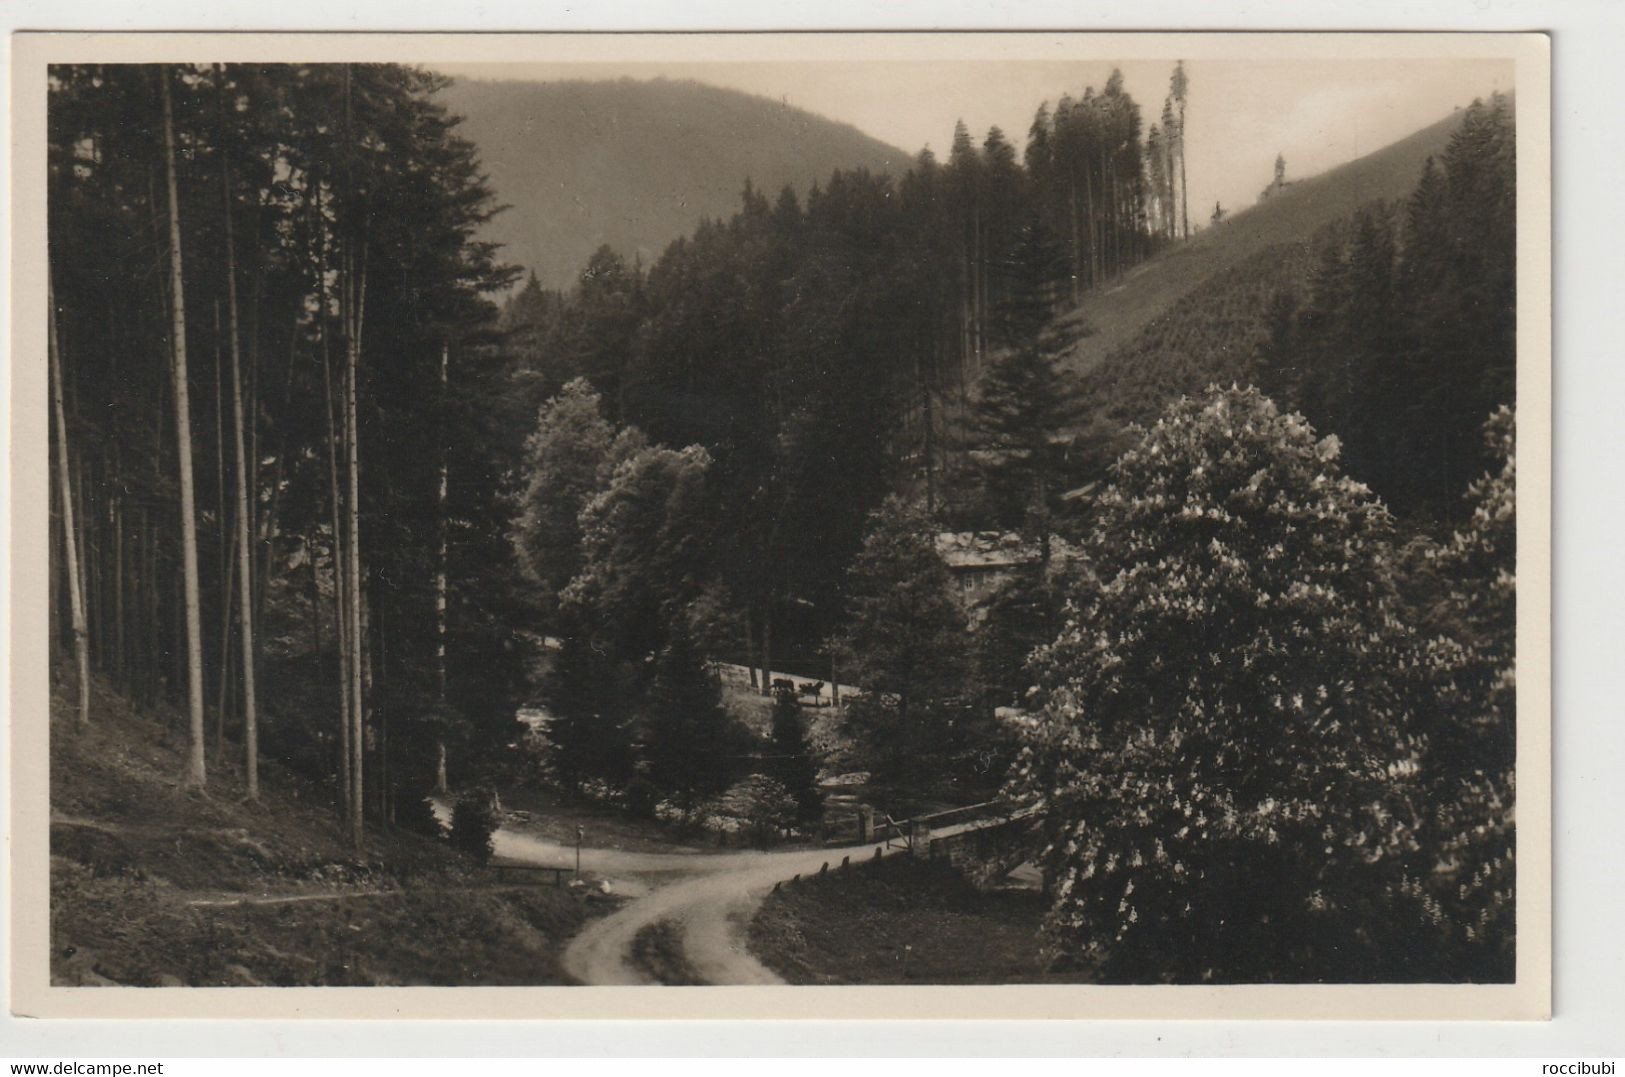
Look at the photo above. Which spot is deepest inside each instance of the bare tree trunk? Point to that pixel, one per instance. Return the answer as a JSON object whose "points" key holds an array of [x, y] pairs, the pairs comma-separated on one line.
{"points": [[81, 518], [229, 578], [354, 307], [118, 590], [143, 607], [222, 516], [750, 644], [341, 577], [358, 628], [1089, 225], [930, 390], [767, 647], [196, 774], [70, 551], [245, 552], [1184, 188], [315, 602], [341, 628], [54, 620]]}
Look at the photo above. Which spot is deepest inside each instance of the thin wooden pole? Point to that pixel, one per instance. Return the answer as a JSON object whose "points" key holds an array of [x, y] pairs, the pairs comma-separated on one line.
{"points": [[70, 552], [245, 550], [196, 772]]}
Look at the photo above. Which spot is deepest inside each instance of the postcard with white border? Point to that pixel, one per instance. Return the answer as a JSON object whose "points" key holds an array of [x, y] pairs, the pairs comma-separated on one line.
{"points": [[842, 525]]}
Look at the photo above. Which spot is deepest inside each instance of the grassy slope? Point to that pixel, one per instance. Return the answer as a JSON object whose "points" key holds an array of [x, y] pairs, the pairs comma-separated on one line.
{"points": [[636, 164], [1212, 335], [151, 885], [901, 921], [1270, 239]]}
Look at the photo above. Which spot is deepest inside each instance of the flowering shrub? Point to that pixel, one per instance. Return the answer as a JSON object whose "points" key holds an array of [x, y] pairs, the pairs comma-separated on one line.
{"points": [[1225, 743]]}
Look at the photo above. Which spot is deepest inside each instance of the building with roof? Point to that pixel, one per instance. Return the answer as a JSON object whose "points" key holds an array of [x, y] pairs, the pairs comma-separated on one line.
{"points": [[981, 563]]}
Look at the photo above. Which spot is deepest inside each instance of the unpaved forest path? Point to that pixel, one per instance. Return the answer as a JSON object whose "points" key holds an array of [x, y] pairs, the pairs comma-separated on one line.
{"points": [[707, 897]]}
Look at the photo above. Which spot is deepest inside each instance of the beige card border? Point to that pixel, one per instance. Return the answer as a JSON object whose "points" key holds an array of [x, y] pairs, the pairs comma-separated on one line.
{"points": [[28, 895]]}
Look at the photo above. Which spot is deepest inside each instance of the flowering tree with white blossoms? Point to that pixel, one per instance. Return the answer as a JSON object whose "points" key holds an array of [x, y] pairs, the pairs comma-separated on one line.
{"points": [[1462, 886], [1225, 743]]}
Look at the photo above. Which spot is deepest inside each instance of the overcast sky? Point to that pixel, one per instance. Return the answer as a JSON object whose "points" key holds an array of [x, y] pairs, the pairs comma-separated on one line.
{"points": [[1241, 113]]}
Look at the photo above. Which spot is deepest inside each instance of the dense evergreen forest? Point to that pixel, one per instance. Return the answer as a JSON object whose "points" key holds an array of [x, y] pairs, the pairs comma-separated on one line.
{"points": [[274, 361]]}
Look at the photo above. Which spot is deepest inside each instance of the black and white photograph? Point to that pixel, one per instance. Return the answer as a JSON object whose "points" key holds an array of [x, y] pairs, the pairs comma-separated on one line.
{"points": [[923, 511]]}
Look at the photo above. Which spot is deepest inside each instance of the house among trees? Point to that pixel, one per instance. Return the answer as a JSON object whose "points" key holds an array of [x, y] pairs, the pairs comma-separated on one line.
{"points": [[981, 563]]}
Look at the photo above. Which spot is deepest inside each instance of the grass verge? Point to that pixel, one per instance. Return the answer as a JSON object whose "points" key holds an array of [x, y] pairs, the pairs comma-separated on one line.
{"points": [[898, 921]]}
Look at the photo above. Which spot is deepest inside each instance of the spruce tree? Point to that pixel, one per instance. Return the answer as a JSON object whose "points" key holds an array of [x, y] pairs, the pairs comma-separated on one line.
{"points": [[586, 738], [794, 765], [904, 640], [1025, 402], [1275, 365], [688, 739]]}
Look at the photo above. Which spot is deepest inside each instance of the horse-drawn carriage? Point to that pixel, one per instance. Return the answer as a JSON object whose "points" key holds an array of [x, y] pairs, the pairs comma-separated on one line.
{"points": [[800, 690]]}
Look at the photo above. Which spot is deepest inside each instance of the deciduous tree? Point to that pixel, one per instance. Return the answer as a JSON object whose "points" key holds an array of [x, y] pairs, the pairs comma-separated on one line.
{"points": [[1224, 747]]}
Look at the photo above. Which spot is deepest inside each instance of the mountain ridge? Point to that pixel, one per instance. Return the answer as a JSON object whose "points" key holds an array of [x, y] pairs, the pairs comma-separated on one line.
{"points": [[655, 157]]}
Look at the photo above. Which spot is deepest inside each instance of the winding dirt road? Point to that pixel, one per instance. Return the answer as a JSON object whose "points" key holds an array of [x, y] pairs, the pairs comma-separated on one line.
{"points": [[708, 897]]}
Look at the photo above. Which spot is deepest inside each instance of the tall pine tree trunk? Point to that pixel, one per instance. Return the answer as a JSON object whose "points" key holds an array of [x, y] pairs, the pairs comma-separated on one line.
{"points": [[352, 587], [227, 587], [70, 544], [358, 637], [750, 644], [341, 618], [56, 574], [336, 440], [119, 584], [196, 774], [929, 390], [222, 514], [767, 646], [1184, 188], [245, 551], [355, 298]]}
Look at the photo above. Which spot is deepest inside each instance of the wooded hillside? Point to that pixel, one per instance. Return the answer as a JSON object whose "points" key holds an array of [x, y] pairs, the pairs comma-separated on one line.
{"points": [[636, 163]]}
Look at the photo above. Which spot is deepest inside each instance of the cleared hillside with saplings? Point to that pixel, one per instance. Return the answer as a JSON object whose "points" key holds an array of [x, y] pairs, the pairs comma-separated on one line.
{"points": [[1111, 318]]}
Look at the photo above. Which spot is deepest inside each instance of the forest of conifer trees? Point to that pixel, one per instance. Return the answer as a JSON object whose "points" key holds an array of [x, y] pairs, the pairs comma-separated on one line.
{"points": [[259, 275]]}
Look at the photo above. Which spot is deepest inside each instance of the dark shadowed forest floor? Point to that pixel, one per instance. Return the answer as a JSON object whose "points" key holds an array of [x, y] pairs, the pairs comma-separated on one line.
{"points": [[153, 885]]}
